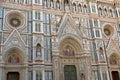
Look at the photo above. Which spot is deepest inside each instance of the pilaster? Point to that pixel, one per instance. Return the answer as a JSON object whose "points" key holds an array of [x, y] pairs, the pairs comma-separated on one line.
{"points": [[1, 74], [43, 74], [56, 65], [26, 74], [34, 75], [88, 70]]}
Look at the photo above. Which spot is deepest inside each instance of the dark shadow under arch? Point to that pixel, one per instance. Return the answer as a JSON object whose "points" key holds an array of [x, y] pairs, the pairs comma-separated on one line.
{"points": [[115, 75]]}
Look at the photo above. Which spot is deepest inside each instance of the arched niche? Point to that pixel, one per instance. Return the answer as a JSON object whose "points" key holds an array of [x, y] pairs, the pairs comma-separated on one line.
{"points": [[14, 56], [101, 54], [70, 47], [114, 59], [68, 50], [38, 49]]}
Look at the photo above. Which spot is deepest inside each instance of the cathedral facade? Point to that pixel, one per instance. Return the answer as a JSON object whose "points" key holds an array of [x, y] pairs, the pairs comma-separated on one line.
{"points": [[59, 40]]}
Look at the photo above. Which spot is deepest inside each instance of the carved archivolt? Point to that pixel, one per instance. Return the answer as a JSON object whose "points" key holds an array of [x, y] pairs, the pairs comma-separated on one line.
{"points": [[68, 51], [13, 56], [114, 59], [70, 47]]}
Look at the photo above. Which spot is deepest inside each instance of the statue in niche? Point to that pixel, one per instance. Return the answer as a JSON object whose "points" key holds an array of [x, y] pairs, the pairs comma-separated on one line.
{"points": [[45, 3], [13, 59], [66, 5], [101, 54], [51, 4], [38, 50], [58, 4], [68, 51], [74, 7]]}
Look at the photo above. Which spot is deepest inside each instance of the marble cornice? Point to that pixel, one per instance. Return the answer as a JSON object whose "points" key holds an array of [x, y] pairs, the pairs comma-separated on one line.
{"points": [[38, 33], [16, 6], [53, 11], [37, 7], [93, 15], [105, 2], [108, 19]]}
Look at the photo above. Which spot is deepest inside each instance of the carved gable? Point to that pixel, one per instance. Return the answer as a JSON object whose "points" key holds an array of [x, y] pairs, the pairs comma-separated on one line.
{"points": [[68, 26], [14, 40]]}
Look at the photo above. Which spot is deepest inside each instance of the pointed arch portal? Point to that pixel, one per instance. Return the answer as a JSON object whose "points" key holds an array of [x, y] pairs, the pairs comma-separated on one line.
{"points": [[114, 62]]}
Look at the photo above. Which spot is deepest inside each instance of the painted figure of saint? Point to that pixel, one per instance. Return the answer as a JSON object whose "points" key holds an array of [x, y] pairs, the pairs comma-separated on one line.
{"points": [[13, 59], [68, 51]]}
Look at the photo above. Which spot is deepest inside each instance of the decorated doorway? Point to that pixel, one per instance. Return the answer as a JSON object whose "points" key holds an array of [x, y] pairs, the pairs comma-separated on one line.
{"points": [[114, 65], [70, 72], [115, 75], [13, 76]]}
